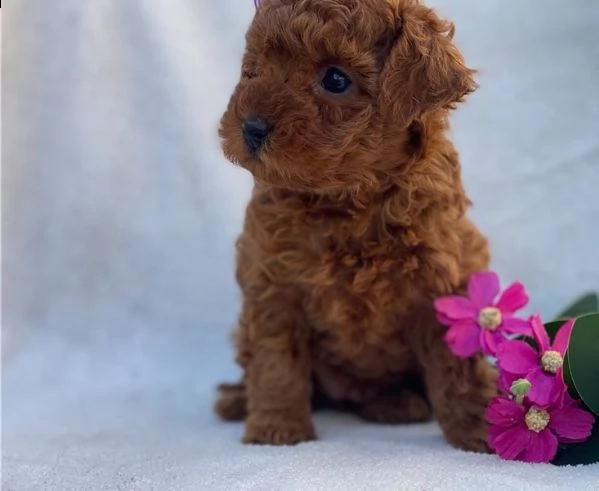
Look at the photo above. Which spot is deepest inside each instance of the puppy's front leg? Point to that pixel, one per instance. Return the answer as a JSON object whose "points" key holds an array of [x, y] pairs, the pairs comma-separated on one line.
{"points": [[278, 374], [458, 389]]}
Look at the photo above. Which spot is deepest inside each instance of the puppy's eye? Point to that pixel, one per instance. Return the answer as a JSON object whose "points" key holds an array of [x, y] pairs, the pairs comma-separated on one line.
{"points": [[248, 74], [335, 81]]}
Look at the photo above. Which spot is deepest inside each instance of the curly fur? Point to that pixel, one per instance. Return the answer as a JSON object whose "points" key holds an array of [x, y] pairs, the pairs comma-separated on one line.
{"points": [[356, 223]]}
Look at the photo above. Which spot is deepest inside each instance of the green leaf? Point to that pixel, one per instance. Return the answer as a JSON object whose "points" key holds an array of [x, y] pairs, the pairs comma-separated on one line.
{"points": [[584, 305], [553, 326], [568, 379], [583, 359], [580, 453]]}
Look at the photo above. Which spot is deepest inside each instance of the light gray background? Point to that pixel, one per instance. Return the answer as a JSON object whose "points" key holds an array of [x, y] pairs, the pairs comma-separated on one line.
{"points": [[119, 215]]}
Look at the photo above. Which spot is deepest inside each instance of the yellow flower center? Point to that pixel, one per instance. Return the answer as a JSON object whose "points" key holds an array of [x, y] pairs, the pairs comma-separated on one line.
{"points": [[551, 361], [489, 318], [536, 419]]}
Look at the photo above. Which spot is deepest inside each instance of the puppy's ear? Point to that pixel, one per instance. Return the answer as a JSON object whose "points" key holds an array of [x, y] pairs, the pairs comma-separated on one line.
{"points": [[423, 69]]}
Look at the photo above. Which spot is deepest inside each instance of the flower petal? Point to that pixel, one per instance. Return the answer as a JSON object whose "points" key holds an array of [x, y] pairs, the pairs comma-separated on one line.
{"points": [[565, 400], [443, 319], [456, 308], [513, 325], [558, 392], [571, 424], [540, 334], [505, 381], [562, 337], [463, 339], [542, 391], [483, 288], [541, 448], [492, 433], [512, 299], [517, 357], [490, 341], [502, 411], [511, 444]]}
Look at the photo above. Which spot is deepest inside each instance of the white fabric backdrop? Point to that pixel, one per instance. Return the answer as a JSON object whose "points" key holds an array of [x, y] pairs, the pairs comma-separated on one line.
{"points": [[119, 215]]}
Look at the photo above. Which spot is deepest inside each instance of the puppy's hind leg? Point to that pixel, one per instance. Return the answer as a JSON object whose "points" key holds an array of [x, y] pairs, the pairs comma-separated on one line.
{"points": [[231, 403], [406, 406]]}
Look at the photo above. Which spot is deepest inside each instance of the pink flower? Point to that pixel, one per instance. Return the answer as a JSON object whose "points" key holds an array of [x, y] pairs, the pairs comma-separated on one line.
{"points": [[530, 433], [543, 369], [478, 322]]}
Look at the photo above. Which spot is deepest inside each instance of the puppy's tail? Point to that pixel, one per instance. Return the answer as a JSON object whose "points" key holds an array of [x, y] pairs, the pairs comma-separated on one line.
{"points": [[231, 402]]}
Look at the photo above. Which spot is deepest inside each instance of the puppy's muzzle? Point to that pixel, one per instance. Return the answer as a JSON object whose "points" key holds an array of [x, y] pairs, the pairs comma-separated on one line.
{"points": [[255, 132]]}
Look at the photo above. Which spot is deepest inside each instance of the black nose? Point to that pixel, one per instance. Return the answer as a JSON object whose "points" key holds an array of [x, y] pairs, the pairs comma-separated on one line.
{"points": [[255, 131]]}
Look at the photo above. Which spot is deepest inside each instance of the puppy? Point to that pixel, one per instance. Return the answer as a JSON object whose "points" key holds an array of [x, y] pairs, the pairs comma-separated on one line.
{"points": [[356, 222]]}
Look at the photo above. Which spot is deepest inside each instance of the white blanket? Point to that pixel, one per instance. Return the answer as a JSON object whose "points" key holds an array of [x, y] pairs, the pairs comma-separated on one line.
{"points": [[119, 216]]}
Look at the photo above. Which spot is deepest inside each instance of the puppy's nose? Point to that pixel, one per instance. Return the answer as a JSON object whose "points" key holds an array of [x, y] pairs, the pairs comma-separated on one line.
{"points": [[255, 131]]}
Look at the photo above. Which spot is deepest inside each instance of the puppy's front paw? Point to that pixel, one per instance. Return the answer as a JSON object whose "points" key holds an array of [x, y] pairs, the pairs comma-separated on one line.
{"points": [[271, 431], [478, 445], [472, 438]]}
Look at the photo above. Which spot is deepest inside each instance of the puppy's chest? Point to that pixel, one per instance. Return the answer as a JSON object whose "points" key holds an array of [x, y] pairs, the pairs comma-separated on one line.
{"points": [[361, 320], [321, 251], [363, 301], [345, 278], [356, 294]]}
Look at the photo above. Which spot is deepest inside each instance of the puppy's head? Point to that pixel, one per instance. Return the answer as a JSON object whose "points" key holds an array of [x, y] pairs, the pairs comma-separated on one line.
{"points": [[332, 92]]}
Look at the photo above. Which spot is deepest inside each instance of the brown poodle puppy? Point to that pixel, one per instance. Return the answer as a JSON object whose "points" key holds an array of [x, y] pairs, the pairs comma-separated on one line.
{"points": [[356, 222]]}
